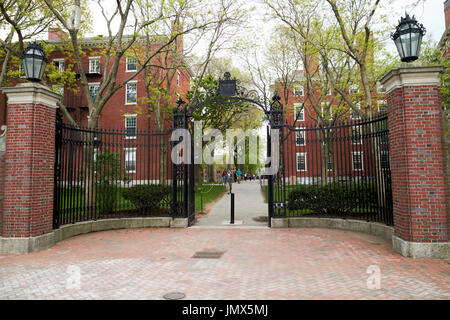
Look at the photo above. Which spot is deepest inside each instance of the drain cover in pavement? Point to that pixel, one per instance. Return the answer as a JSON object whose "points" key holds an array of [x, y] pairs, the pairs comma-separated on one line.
{"points": [[207, 255], [174, 296]]}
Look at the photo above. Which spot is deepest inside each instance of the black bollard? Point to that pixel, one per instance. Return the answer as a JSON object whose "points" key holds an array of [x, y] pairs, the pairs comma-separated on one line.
{"points": [[232, 209]]}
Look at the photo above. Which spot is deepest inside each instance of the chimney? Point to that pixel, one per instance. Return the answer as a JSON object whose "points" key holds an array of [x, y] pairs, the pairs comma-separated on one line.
{"points": [[56, 34], [447, 12], [176, 28]]}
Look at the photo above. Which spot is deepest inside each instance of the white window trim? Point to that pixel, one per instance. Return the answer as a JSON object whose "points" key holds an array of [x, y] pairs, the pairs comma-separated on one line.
{"points": [[60, 60], [125, 158], [91, 84], [302, 88], [360, 131], [306, 161], [358, 117], [178, 78], [353, 87], [126, 86], [126, 66], [94, 58], [296, 107], [300, 129], [130, 116], [362, 160]]}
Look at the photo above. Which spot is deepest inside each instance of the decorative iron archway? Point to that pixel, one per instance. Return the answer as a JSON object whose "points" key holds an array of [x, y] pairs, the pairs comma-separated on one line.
{"points": [[183, 178]]}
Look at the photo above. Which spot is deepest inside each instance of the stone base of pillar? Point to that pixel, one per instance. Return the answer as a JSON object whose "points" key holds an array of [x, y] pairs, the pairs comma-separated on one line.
{"points": [[27, 245], [421, 250]]}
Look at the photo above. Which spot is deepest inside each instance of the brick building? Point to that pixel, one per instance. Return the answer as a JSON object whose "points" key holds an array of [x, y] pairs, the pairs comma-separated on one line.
{"points": [[444, 43]]}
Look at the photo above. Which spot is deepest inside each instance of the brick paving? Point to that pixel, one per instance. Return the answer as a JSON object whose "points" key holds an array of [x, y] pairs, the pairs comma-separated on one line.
{"points": [[258, 263]]}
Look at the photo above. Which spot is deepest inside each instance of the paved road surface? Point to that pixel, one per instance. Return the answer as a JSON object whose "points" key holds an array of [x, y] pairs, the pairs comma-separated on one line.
{"points": [[249, 204]]}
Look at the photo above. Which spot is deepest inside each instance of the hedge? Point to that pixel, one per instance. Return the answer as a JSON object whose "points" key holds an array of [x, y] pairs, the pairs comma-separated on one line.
{"points": [[147, 196]]}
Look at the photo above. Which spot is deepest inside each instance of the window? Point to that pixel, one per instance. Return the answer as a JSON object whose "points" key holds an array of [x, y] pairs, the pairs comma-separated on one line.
{"points": [[178, 78], [130, 160], [330, 163], [300, 137], [301, 161], [357, 160], [59, 63], [93, 89], [354, 89], [130, 126], [355, 115], [131, 93], [380, 88], [299, 112], [329, 91], [299, 91], [131, 64], [356, 135], [385, 160], [94, 64]]}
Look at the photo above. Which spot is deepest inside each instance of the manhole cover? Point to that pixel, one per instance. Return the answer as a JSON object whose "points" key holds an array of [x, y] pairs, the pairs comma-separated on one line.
{"points": [[174, 296], [207, 255], [260, 219]]}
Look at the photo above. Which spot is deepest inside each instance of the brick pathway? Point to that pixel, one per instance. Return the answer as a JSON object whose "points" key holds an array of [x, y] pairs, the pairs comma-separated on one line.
{"points": [[257, 264]]}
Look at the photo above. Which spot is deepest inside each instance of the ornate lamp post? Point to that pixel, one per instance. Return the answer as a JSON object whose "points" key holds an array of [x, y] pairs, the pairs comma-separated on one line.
{"points": [[34, 62], [408, 38]]}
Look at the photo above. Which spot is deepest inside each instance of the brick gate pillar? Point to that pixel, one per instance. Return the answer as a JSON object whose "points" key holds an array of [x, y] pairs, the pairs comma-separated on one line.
{"points": [[417, 165], [29, 162]]}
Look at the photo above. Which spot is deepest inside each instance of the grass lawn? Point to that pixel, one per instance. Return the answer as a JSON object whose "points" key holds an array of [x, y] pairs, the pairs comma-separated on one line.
{"points": [[71, 201], [209, 193]]}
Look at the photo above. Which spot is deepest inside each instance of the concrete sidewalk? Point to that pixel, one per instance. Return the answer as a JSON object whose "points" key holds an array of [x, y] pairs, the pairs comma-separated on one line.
{"points": [[249, 204]]}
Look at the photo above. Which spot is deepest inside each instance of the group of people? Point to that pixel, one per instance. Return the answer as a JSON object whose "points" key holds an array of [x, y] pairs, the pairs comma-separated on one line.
{"points": [[235, 175]]}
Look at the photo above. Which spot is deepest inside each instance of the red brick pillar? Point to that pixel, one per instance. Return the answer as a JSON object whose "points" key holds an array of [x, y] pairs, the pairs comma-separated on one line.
{"points": [[417, 165], [29, 162]]}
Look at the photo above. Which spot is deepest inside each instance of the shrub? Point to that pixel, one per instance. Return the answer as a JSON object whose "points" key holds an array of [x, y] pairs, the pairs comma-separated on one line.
{"points": [[334, 198], [147, 196]]}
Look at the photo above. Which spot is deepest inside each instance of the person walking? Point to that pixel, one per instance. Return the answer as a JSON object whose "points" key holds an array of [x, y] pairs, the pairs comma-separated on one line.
{"points": [[239, 173]]}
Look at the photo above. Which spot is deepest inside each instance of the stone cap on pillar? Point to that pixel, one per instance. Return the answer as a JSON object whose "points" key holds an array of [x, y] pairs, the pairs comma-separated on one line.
{"points": [[411, 76], [32, 93]]}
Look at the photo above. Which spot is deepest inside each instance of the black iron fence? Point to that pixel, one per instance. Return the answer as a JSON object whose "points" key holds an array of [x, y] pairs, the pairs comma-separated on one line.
{"points": [[105, 173], [341, 170]]}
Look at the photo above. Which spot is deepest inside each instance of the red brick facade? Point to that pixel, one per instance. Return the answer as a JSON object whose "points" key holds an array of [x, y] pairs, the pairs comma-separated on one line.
{"points": [[415, 135], [28, 182]]}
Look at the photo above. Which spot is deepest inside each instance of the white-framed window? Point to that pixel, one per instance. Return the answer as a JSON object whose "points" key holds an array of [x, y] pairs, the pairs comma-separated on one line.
{"points": [[178, 78], [385, 159], [354, 115], [93, 89], [301, 161], [131, 92], [329, 91], [299, 91], [380, 88], [130, 126], [357, 161], [357, 134], [94, 64], [131, 64], [354, 89], [59, 63], [300, 137], [130, 160], [299, 112]]}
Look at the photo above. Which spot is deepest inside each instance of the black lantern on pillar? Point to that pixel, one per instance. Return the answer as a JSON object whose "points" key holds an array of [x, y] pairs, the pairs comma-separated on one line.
{"points": [[34, 62], [408, 38]]}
